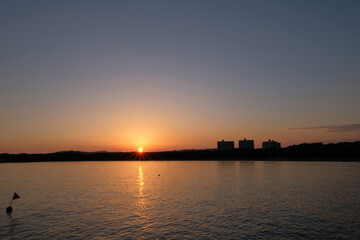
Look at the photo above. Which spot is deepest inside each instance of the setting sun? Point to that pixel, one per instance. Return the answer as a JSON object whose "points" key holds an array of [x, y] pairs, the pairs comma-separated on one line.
{"points": [[140, 150]]}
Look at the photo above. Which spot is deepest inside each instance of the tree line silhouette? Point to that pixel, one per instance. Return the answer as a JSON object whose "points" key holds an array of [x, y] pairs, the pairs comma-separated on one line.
{"points": [[345, 151]]}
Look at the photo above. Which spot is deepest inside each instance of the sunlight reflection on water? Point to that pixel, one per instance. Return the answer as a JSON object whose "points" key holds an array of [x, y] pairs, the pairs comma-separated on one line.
{"points": [[193, 200]]}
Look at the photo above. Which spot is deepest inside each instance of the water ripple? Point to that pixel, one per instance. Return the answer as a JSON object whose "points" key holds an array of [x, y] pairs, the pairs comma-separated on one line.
{"points": [[191, 200]]}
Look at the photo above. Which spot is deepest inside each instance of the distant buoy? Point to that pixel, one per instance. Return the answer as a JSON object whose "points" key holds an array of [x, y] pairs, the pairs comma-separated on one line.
{"points": [[9, 209]]}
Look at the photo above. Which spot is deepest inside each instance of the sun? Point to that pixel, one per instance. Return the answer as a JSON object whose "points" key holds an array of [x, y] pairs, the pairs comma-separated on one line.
{"points": [[140, 150]]}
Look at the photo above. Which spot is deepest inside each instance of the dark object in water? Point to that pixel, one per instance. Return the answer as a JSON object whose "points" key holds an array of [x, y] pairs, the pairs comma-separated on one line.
{"points": [[9, 209]]}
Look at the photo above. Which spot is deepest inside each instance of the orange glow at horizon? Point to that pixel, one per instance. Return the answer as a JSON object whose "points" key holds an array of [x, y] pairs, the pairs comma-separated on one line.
{"points": [[161, 131]]}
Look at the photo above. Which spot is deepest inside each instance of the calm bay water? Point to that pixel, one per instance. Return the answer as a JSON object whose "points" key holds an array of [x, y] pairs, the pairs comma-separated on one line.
{"points": [[189, 200]]}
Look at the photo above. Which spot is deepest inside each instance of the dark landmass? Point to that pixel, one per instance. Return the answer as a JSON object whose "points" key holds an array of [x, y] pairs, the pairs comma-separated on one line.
{"points": [[304, 152]]}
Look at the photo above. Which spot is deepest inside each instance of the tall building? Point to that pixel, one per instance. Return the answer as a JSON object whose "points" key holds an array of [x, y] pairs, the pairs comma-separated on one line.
{"points": [[246, 144], [271, 144], [225, 145]]}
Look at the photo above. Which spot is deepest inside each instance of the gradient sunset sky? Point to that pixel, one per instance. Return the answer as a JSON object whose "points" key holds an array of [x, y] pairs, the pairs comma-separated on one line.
{"points": [[166, 75]]}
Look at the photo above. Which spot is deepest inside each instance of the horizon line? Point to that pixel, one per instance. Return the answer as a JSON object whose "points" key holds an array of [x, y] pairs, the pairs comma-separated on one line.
{"points": [[179, 150]]}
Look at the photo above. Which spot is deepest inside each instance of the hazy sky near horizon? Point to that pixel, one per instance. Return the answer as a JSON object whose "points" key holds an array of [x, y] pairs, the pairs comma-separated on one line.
{"points": [[117, 75]]}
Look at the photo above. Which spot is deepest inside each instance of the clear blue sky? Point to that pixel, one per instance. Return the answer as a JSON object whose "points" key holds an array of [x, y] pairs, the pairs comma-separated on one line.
{"points": [[115, 75]]}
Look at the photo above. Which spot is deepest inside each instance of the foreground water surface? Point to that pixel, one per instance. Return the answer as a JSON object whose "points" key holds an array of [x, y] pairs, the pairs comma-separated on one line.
{"points": [[181, 200]]}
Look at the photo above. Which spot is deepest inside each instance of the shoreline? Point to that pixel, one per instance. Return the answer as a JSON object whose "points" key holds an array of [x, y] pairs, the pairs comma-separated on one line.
{"points": [[345, 160], [340, 152]]}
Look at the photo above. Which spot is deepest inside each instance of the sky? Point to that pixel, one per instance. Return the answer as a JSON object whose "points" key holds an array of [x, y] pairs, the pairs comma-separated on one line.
{"points": [[167, 75]]}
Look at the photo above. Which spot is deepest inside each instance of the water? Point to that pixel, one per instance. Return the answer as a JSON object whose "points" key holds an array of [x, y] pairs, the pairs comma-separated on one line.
{"points": [[189, 200]]}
